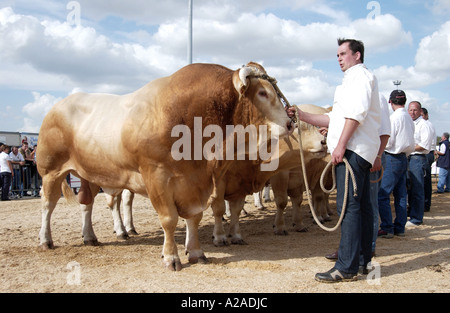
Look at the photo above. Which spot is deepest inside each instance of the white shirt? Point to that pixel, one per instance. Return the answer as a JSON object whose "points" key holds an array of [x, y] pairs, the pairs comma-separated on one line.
{"points": [[4, 163], [385, 128], [402, 133], [422, 135], [16, 158], [443, 148], [433, 135], [358, 99]]}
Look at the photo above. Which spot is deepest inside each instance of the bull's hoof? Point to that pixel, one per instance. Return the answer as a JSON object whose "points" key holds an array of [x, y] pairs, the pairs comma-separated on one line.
{"points": [[91, 243], [327, 219], [300, 228], [281, 232], [202, 260], [220, 242], [47, 246], [133, 232], [173, 265], [123, 237], [238, 241]]}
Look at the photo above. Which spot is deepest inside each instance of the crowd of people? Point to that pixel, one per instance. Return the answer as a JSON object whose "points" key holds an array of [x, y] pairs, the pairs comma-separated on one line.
{"points": [[19, 175]]}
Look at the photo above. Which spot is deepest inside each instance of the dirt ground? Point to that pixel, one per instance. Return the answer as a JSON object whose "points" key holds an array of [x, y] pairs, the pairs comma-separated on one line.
{"points": [[418, 262]]}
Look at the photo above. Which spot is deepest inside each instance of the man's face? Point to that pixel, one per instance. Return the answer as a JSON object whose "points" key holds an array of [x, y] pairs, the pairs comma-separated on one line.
{"points": [[414, 110], [425, 116], [346, 57]]}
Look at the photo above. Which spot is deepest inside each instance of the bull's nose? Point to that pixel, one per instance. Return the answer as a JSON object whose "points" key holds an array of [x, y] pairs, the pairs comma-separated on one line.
{"points": [[290, 126]]}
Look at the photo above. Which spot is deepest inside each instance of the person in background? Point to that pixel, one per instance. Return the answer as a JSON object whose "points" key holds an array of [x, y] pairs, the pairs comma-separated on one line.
{"points": [[400, 145], [417, 163], [430, 157], [443, 163], [6, 172], [17, 161]]}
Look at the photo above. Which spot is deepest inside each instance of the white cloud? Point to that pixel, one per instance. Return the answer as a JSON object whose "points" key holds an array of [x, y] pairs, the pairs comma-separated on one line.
{"points": [[433, 53], [80, 54], [440, 7], [432, 63], [35, 111]]}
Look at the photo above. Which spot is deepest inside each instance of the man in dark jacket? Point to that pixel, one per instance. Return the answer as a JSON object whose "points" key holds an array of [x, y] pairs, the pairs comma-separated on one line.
{"points": [[443, 163]]}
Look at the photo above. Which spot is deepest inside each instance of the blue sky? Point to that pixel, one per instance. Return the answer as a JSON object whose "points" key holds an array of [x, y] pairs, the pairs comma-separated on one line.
{"points": [[121, 45]]}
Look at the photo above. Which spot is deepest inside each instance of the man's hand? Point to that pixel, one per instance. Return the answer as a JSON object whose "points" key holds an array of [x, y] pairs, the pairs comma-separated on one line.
{"points": [[376, 165]]}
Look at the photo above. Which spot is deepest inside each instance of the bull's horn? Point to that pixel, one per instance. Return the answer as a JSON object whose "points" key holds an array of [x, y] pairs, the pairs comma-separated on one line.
{"points": [[247, 71]]}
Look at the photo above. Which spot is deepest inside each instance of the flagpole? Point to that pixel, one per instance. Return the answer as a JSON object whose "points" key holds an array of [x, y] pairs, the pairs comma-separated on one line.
{"points": [[190, 39]]}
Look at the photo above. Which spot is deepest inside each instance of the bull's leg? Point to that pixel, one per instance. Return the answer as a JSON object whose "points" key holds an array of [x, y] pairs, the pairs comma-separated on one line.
{"points": [[258, 201], [113, 202], [85, 195], [192, 241], [236, 207], [45, 234], [127, 199], [50, 194], [170, 256], [279, 187], [266, 192], [89, 237], [297, 199], [219, 236], [279, 226]]}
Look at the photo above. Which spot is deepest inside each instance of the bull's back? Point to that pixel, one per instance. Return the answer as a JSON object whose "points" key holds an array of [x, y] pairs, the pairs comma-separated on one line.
{"points": [[83, 131]]}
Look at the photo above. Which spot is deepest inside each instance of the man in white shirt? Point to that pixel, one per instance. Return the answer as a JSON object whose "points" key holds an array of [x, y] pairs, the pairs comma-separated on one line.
{"points": [[430, 158], [17, 161], [400, 145], [6, 172], [417, 165], [353, 133]]}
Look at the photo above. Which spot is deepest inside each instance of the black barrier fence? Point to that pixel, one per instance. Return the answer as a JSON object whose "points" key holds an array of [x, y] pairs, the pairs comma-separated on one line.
{"points": [[26, 182]]}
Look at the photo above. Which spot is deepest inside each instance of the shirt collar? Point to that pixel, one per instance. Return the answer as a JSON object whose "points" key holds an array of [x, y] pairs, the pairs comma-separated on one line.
{"points": [[418, 120]]}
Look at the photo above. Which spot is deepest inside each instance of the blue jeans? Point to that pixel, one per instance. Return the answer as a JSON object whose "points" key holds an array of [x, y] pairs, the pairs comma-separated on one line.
{"points": [[17, 184], [5, 179], [357, 224], [374, 189], [444, 180], [416, 195], [394, 181]]}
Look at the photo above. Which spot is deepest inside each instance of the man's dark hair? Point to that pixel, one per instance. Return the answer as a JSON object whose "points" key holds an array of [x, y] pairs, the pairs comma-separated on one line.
{"points": [[355, 46]]}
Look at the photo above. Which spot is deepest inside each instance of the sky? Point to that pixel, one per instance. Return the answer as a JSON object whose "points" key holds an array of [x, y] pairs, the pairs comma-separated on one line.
{"points": [[53, 48]]}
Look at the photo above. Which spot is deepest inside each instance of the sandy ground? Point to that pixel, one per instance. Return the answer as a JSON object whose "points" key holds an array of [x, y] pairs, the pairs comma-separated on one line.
{"points": [[418, 262]]}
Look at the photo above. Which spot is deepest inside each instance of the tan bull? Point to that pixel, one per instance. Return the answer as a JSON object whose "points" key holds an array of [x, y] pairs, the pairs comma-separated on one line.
{"points": [[245, 179], [133, 142], [291, 184]]}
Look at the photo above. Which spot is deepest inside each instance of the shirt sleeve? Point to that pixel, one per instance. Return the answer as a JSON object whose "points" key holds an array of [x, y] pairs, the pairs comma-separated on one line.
{"points": [[357, 96]]}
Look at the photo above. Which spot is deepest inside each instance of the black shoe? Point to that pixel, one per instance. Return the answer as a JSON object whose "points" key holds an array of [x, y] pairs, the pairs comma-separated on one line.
{"points": [[335, 276], [332, 256]]}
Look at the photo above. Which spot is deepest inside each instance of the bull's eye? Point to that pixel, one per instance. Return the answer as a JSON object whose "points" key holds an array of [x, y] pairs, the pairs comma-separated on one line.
{"points": [[263, 93]]}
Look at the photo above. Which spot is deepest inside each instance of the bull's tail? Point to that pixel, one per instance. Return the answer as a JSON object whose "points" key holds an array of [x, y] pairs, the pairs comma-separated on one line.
{"points": [[68, 193]]}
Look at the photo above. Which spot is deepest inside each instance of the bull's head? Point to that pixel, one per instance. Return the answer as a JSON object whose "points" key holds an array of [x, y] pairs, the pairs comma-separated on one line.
{"points": [[253, 83], [313, 140]]}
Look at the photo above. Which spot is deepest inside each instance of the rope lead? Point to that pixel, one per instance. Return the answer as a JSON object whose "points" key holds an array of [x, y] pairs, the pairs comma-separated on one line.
{"points": [[349, 171]]}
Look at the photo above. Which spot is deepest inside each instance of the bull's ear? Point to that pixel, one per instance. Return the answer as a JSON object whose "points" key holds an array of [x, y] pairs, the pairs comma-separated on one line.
{"points": [[240, 79]]}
